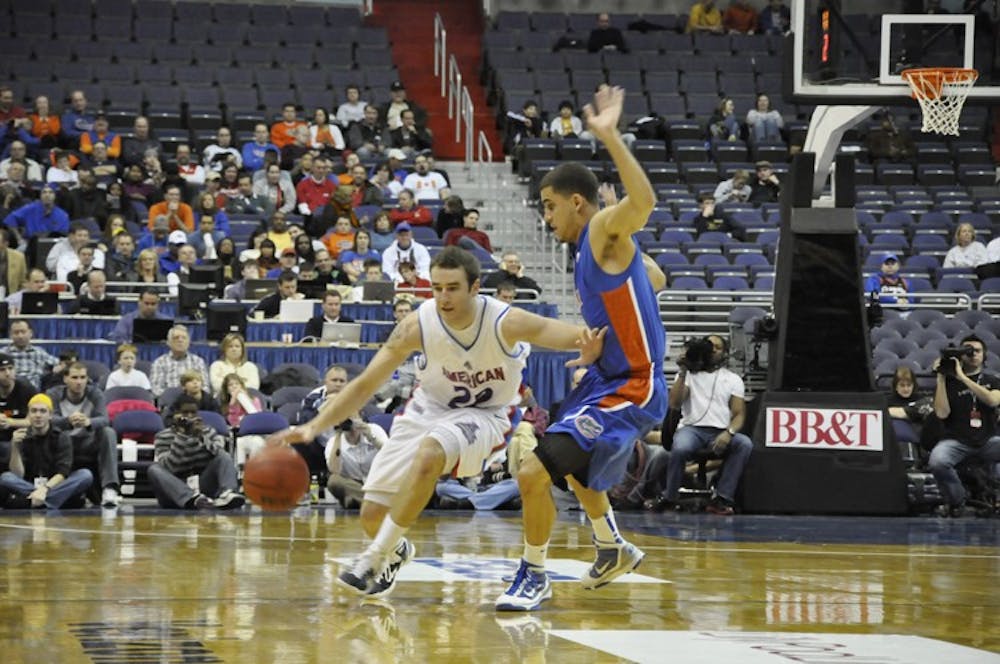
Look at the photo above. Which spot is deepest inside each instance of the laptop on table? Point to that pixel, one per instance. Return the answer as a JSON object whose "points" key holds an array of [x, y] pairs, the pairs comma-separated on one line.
{"points": [[296, 311], [346, 333], [150, 330], [39, 303], [378, 291]]}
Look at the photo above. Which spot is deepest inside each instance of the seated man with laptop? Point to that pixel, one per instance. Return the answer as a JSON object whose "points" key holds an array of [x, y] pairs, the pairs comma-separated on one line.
{"points": [[270, 306], [95, 301], [331, 314]]}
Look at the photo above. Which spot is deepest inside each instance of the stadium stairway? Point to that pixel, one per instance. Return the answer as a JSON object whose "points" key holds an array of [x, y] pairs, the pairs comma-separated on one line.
{"points": [[512, 226], [410, 25]]}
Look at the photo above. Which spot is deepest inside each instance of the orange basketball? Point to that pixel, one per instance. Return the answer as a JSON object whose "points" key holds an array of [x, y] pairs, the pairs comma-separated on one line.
{"points": [[276, 478]]}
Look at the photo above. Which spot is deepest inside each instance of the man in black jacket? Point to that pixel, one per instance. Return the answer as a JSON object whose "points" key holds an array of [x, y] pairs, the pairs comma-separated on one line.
{"points": [[331, 314]]}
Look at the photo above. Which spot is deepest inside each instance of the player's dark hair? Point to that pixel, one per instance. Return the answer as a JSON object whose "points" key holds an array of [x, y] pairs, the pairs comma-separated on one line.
{"points": [[456, 258], [572, 178]]}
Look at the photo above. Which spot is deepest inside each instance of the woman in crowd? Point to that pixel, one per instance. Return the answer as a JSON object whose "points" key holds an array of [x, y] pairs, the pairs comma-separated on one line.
{"points": [[147, 268], [764, 122], [236, 400], [268, 259], [382, 234], [233, 360], [966, 252], [353, 260], [325, 136], [723, 125], [908, 407]]}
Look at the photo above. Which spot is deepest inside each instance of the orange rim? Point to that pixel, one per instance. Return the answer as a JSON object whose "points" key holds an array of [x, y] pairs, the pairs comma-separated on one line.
{"points": [[927, 83]]}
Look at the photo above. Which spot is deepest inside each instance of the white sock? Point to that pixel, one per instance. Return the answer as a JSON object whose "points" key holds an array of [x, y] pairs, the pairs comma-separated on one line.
{"points": [[606, 529], [388, 535], [535, 555]]}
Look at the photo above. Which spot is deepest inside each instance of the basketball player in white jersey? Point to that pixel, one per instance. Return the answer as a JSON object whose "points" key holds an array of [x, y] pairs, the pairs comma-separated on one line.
{"points": [[473, 349]]}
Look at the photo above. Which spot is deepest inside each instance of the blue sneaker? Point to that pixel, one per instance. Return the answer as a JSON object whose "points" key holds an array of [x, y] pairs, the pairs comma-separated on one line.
{"points": [[613, 560], [386, 581], [530, 588]]}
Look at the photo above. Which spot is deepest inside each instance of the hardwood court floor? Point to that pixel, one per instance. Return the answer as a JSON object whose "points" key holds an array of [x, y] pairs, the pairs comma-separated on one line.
{"points": [[149, 586]]}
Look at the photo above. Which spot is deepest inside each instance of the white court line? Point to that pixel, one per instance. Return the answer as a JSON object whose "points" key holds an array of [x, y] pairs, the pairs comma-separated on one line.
{"points": [[445, 542]]}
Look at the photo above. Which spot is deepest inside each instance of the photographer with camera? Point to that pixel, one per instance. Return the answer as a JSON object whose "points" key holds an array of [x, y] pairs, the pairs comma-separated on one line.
{"points": [[965, 400], [711, 399], [349, 454], [190, 447]]}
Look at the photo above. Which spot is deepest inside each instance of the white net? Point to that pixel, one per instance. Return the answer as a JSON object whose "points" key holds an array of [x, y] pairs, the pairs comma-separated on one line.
{"points": [[941, 94]]}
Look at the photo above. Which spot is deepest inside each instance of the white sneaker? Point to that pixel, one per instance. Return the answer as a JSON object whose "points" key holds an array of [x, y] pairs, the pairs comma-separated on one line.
{"points": [[530, 588], [365, 571], [612, 561], [386, 581], [229, 500], [110, 497]]}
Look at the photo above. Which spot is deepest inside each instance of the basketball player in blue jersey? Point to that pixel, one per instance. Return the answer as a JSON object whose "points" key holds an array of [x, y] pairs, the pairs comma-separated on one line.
{"points": [[624, 395], [472, 349]]}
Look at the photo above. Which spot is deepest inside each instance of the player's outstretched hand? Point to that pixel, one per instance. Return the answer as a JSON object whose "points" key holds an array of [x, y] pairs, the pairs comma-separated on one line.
{"points": [[602, 116], [590, 343], [289, 436]]}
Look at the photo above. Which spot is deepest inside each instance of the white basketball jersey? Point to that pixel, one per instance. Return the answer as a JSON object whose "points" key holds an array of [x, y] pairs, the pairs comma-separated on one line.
{"points": [[482, 375]]}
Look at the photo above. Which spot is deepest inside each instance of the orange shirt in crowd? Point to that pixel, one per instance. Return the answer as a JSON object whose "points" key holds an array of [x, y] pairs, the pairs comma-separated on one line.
{"points": [[283, 133], [183, 211]]}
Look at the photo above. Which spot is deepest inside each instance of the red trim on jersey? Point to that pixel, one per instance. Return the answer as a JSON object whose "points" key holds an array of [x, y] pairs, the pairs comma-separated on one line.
{"points": [[623, 314]]}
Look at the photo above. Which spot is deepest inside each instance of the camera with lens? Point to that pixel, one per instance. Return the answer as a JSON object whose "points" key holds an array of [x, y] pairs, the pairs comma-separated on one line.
{"points": [[698, 355], [946, 366], [345, 426]]}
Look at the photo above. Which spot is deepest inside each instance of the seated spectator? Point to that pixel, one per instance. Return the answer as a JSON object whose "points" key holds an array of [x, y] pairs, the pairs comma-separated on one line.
{"points": [[249, 201], [267, 258], [292, 153], [30, 362], [512, 270], [80, 410], [410, 137], [76, 120], [277, 188], [167, 368], [888, 284], [170, 259], [179, 215], [705, 17], [327, 271], [324, 136], [126, 375], [35, 283], [519, 127], [908, 407], [352, 260], [221, 153], [207, 237], [192, 385], [469, 236], [566, 124], [56, 377], [207, 207], [149, 308], [709, 218], [120, 262], [104, 168], [87, 200], [451, 215], [412, 284], [138, 188], [41, 451], [63, 256], [77, 278], [764, 122], [15, 190], [740, 17], [733, 190], [100, 132], [190, 171], [141, 144], [891, 143], [94, 300], [237, 290], [365, 192], [506, 292], [765, 187], [386, 183], [966, 252], [425, 184], [283, 131], [340, 238], [19, 152], [62, 173], [723, 125], [288, 284], [775, 19], [352, 110], [190, 447], [405, 248], [713, 411], [147, 268], [253, 151], [365, 137], [187, 258], [45, 125], [401, 308], [965, 400], [313, 192], [382, 232], [288, 261], [349, 454], [332, 304], [606, 37], [236, 401], [409, 211], [390, 113]]}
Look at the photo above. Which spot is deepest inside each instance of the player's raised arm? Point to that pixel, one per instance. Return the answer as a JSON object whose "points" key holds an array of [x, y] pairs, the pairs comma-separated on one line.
{"points": [[404, 340], [521, 325], [631, 213]]}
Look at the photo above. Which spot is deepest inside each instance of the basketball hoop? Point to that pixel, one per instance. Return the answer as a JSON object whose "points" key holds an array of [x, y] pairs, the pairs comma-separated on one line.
{"points": [[941, 93]]}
